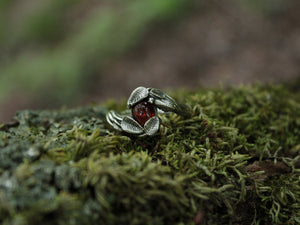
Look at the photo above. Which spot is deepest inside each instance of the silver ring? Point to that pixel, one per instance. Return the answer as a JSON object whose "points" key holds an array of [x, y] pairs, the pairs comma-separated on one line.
{"points": [[142, 117]]}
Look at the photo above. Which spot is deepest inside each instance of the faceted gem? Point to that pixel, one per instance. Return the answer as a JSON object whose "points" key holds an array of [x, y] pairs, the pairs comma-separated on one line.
{"points": [[142, 112]]}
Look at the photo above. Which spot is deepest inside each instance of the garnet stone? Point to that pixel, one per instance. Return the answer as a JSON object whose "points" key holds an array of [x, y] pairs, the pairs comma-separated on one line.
{"points": [[142, 112]]}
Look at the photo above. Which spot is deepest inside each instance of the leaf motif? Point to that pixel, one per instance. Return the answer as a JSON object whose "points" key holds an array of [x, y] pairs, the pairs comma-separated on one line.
{"points": [[129, 125], [114, 119], [152, 126], [137, 95]]}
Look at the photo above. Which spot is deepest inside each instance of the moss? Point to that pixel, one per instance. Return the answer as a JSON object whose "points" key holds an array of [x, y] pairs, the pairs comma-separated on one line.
{"points": [[236, 160]]}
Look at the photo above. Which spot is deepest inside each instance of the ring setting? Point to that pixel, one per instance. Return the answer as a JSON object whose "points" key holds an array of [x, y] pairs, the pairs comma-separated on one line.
{"points": [[142, 118]]}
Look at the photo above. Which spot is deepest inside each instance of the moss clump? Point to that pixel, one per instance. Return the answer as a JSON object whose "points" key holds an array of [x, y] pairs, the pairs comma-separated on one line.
{"points": [[236, 160]]}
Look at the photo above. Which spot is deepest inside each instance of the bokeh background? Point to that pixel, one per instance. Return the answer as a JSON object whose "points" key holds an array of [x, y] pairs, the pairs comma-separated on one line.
{"points": [[69, 53]]}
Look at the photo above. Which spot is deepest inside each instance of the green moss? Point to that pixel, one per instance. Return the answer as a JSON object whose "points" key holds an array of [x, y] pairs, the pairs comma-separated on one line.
{"points": [[236, 160]]}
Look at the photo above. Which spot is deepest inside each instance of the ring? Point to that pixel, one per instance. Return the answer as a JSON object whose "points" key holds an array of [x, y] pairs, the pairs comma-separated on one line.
{"points": [[142, 117]]}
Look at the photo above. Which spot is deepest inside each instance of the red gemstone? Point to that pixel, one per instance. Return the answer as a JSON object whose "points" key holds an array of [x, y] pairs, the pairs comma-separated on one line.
{"points": [[143, 112]]}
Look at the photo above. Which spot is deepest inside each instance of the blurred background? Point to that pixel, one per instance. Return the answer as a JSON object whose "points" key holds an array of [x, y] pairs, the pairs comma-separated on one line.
{"points": [[56, 53]]}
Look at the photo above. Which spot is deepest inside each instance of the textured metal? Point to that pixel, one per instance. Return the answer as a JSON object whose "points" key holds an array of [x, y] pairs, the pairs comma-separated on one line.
{"points": [[160, 101], [130, 126], [114, 119], [137, 95], [152, 126]]}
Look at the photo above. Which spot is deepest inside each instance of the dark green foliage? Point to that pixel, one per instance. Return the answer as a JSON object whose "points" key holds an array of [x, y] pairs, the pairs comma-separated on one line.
{"points": [[236, 160]]}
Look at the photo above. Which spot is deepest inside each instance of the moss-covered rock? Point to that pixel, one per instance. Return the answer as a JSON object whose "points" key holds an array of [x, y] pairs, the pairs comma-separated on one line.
{"points": [[236, 160]]}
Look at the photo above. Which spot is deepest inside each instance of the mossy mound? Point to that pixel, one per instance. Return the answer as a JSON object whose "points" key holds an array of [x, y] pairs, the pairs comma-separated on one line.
{"points": [[236, 160]]}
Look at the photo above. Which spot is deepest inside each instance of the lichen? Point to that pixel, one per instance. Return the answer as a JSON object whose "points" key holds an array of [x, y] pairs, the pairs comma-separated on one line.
{"points": [[235, 161]]}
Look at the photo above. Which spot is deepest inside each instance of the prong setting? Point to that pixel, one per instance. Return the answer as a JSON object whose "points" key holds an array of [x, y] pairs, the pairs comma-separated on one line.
{"points": [[137, 96], [144, 104]]}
